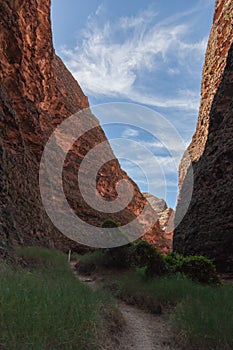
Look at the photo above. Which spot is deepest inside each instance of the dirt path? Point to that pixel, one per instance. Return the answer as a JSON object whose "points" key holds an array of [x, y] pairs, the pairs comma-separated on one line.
{"points": [[142, 330]]}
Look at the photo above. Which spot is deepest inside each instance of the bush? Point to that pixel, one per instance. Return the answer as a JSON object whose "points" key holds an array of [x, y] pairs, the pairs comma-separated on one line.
{"points": [[119, 257], [146, 255], [196, 268], [173, 261], [109, 223], [200, 269]]}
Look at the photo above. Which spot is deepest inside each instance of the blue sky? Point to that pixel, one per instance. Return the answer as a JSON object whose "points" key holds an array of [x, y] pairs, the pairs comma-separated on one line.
{"points": [[150, 53]]}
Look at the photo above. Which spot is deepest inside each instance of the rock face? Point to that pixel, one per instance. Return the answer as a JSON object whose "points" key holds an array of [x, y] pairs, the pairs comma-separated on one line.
{"points": [[207, 227], [158, 204], [37, 93], [165, 216]]}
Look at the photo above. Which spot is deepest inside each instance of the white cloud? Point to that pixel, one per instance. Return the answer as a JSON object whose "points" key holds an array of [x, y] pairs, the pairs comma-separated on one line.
{"points": [[173, 71], [152, 159], [137, 21], [157, 173], [154, 173], [105, 65], [152, 145], [129, 132], [190, 101], [99, 9]]}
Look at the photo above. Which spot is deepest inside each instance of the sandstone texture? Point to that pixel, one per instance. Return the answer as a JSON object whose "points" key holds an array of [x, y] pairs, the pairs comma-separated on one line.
{"points": [[37, 93], [158, 204], [165, 216], [207, 227]]}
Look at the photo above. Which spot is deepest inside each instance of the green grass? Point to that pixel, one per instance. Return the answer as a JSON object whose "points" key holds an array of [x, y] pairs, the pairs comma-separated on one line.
{"points": [[46, 307], [51, 262], [98, 257], [167, 290], [203, 315], [206, 321]]}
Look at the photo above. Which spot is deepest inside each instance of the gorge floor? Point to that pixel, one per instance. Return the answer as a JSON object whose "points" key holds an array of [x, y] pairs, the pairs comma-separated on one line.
{"points": [[142, 330]]}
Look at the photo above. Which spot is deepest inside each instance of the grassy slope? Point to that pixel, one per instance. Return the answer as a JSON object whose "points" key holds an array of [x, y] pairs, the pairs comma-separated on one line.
{"points": [[47, 308], [202, 317]]}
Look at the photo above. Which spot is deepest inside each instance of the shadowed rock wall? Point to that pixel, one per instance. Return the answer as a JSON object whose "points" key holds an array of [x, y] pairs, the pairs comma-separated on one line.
{"points": [[207, 228]]}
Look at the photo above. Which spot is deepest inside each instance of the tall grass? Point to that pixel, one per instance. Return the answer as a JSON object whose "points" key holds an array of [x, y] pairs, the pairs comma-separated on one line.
{"points": [[167, 290], [98, 258], [203, 315], [206, 321], [47, 308]]}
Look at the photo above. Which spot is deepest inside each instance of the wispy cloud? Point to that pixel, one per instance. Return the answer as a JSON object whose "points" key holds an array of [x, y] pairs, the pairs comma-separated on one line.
{"points": [[149, 147], [153, 173], [114, 56], [137, 21], [99, 9], [129, 132]]}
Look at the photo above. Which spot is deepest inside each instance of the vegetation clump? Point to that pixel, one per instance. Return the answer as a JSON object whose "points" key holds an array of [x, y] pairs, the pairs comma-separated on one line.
{"points": [[145, 255], [45, 307], [196, 268], [118, 257], [173, 261], [199, 269]]}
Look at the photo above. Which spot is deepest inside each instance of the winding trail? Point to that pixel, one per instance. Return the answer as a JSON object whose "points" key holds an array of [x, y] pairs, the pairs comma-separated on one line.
{"points": [[142, 330]]}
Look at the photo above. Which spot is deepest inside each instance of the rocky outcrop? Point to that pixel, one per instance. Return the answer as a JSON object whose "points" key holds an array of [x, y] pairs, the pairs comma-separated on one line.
{"points": [[165, 216], [158, 204], [37, 93], [207, 227]]}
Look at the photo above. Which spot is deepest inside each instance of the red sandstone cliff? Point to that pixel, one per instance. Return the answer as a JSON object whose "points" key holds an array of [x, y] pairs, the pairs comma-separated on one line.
{"points": [[37, 93], [207, 228], [165, 216]]}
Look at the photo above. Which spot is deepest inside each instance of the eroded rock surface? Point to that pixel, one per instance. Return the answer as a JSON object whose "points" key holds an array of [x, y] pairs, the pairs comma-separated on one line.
{"points": [[207, 227], [37, 93], [165, 216]]}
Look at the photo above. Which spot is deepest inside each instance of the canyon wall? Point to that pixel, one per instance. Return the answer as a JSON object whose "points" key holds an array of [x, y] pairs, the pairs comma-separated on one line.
{"points": [[207, 227], [37, 93], [165, 216]]}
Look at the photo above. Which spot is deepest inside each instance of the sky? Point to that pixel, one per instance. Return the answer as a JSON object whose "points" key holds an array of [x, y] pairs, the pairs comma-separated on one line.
{"points": [[140, 64]]}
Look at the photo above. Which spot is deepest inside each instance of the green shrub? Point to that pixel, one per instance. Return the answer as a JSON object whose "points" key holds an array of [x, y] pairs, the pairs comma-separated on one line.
{"points": [[173, 261], [146, 255], [200, 269], [109, 223], [197, 268], [119, 257]]}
